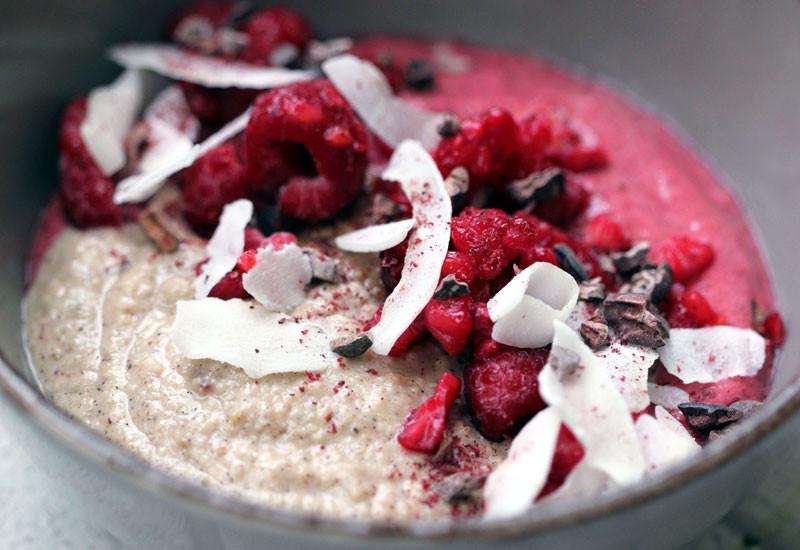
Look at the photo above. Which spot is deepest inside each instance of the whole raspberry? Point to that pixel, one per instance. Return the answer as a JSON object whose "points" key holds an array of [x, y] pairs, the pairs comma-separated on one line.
{"points": [[214, 180], [87, 194], [424, 428], [689, 309], [313, 118], [569, 452], [271, 27], [550, 140], [502, 390], [487, 146], [687, 257], [605, 235], [460, 265], [481, 233], [449, 322]]}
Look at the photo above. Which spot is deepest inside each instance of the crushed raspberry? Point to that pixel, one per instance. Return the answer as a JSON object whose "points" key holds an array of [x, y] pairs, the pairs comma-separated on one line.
{"points": [[392, 265], [314, 179], [246, 261], [272, 27], [774, 329], [487, 146], [86, 193], [605, 235], [502, 390], [414, 332], [569, 452], [392, 191], [687, 257], [690, 309], [279, 239], [424, 428], [449, 322], [213, 181], [460, 265], [548, 140], [253, 238], [229, 287], [566, 208]]}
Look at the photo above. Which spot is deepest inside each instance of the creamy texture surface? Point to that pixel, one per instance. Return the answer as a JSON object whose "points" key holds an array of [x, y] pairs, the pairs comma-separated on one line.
{"points": [[99, 312]]}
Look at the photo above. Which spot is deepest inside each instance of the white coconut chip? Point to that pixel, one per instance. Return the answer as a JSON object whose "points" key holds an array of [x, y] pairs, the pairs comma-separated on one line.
{"points": [[110, 113], [170, 107], [421, 181], [279, 277], [513, 485], [629, 367], [140, 187], [523, 311], [712, 354], [211, 72], [668, 397], [592, 407], [584, 481], [375, 238], [369, 93], [225, 245], [246, 335], [664, 440]]}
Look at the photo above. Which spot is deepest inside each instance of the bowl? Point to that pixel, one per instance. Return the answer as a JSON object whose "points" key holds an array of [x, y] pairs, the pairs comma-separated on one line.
{"points": [[723, 71]]}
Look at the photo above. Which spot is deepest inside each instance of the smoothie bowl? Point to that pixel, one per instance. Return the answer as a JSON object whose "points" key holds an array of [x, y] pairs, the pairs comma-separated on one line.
{"points": [[392, 287]]}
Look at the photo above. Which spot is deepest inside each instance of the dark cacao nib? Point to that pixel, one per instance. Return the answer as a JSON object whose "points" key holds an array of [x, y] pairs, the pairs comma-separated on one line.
{"points": [[419, 75], [543, 186], [459, 486], [352, 347], [707, 416], [569, 262], [323, 268], [746, 407], [634, 322], [449, 127], [653, 282], [631, 260], [450, 287], [594, 332], [593, 290]]}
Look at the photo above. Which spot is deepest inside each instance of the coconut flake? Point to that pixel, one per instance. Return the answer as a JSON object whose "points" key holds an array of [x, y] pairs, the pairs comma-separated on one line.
{"points": [[170, 107], [592, 407], [375, 238], [664, 440], [110, 113], [225, 245], [513, 485], [524, 310], [447, 59], [628, 367], [279, 277], [369, 93], [668, 397], [247, 336], [420, 180], [211, 72], [584, 481], [712, 354], [140, 187]]}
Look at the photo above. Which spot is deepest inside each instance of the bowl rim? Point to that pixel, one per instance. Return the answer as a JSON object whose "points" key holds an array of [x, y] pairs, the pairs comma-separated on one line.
{"points": [[79, 439]]}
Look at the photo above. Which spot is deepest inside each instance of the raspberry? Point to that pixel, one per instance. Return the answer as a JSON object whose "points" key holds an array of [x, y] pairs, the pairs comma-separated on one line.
{"points": [[605, 235], [481, 234], [548, 140], [487, 146], [229, 287], [689, 309], [87, 194], [213, 106], [774, 329], [503, 390], [279, 239], [687, 257], [246, 261], [461, 265], [569, 452], [214, 180], [563, 210], [411, 336], [450, 322], [424, 428], [392, 265], [253, 238], [295, 119], [272, 27]]}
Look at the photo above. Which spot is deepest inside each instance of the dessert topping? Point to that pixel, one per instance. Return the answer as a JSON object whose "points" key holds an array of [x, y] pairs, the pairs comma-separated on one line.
{"points": [[593, 290], [225, 245], [424, 428], [351, 347], [375, 238], [711, 354], [631, 260], [594, 332], [278, 278], [668, 397], [628, 367], [154, 227], [428, 241], [634, 322], [664, 440], [569, 262], [419, 75], [450, 287], [707, 416], [524, 310], [369, 93], [653, 282], [248, 336], [211, 72], [541, 186]]}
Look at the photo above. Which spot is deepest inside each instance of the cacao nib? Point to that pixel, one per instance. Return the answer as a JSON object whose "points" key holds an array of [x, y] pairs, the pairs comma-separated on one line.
{"points": [[459, 486], [323, 268], [653, 282], [707, 416], [450, 287], [594, 332], [419, 75], [631, 260], [449, 127], [569, 262], [593, 290], [543, 186], [352, 347], [630, 316]]}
